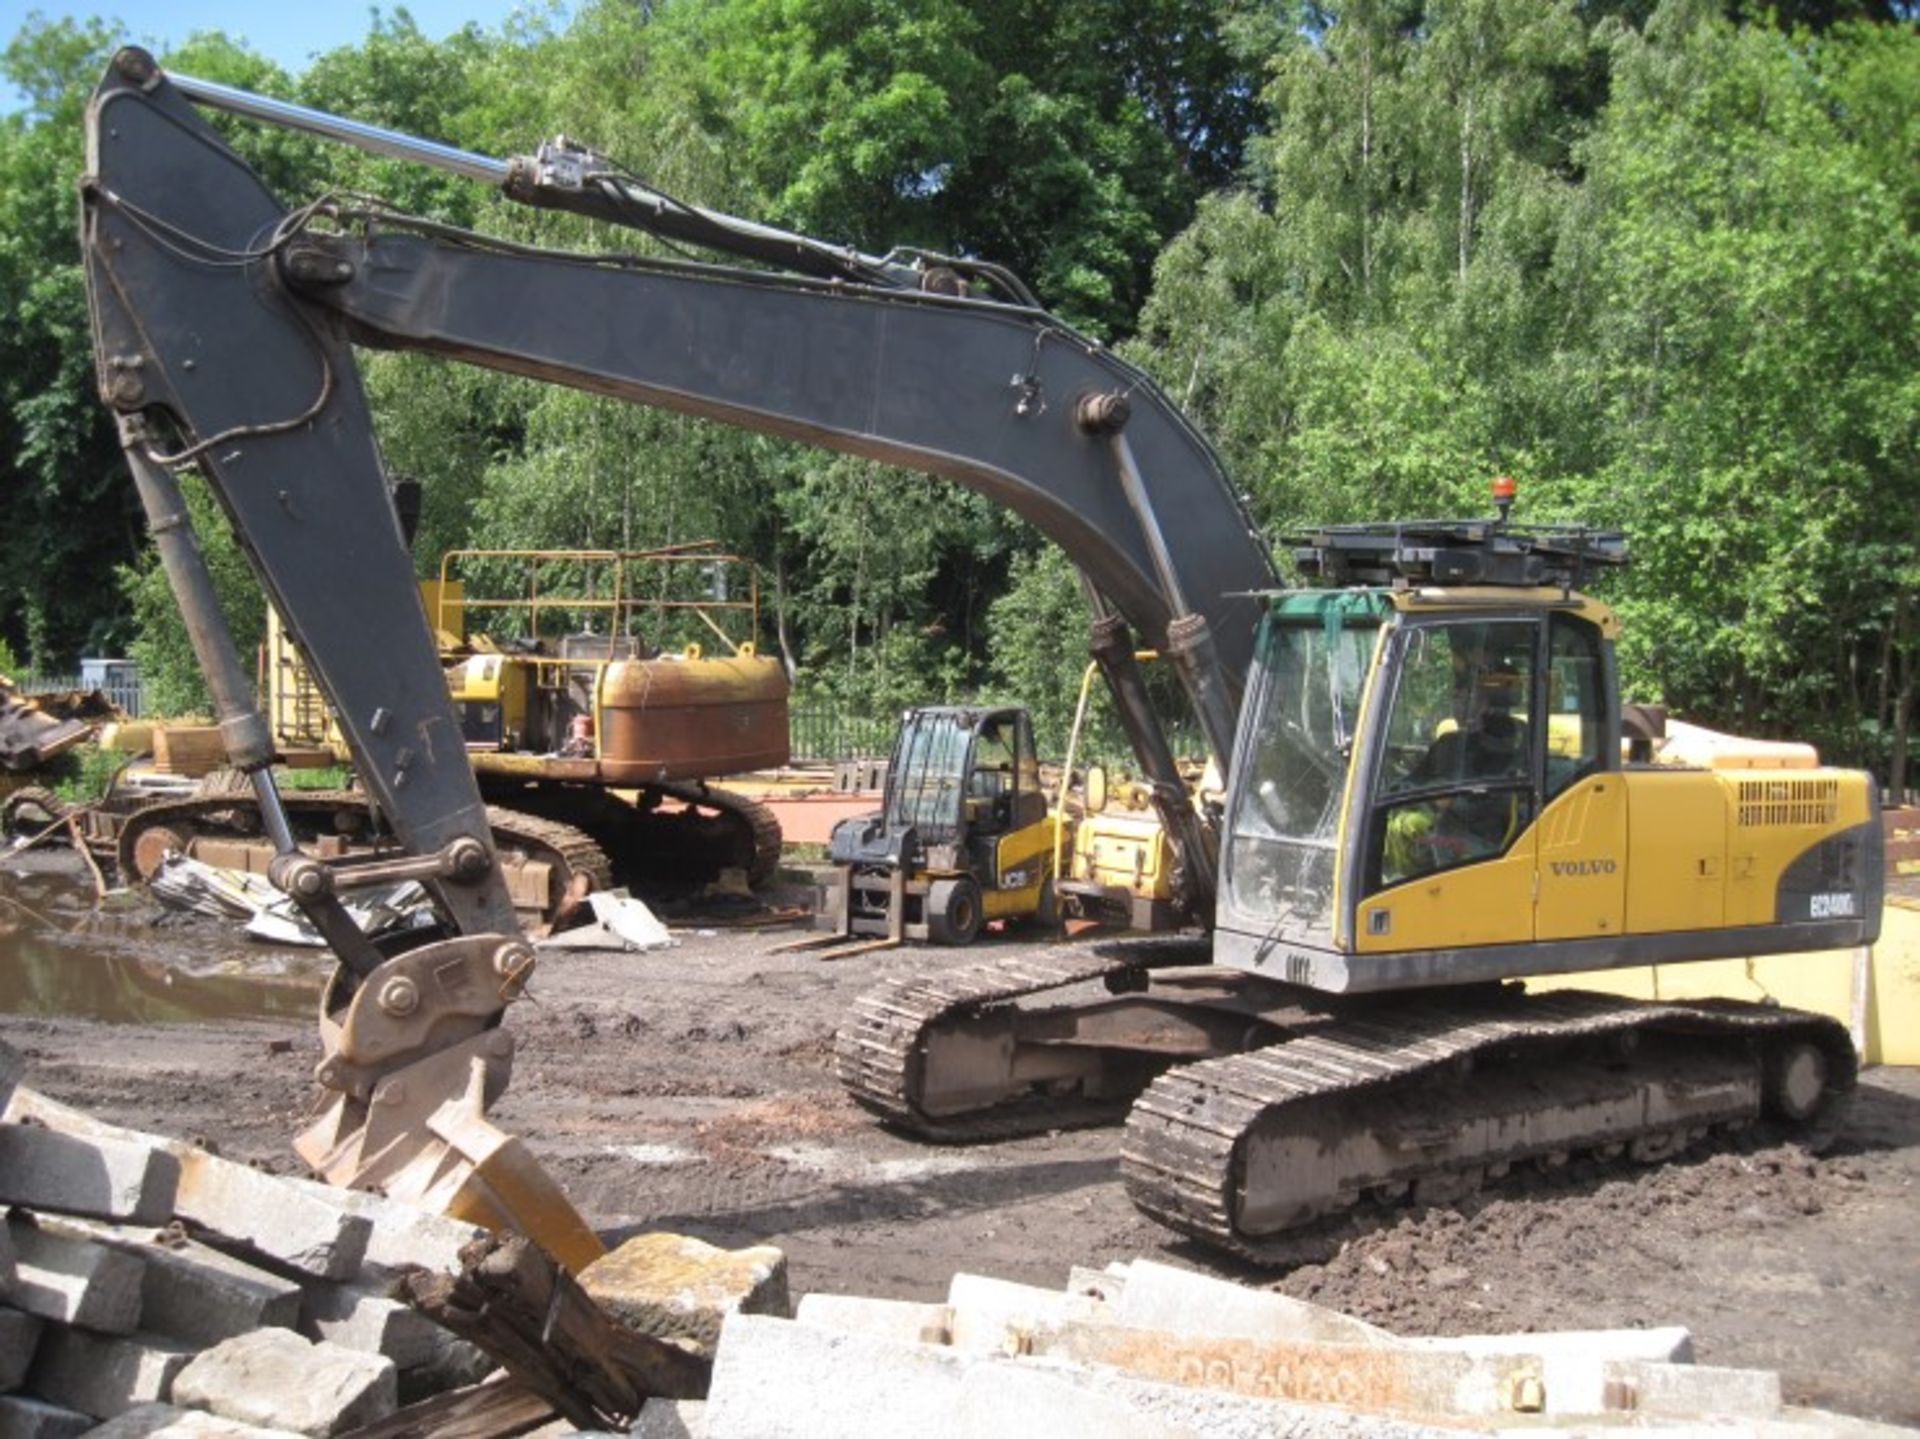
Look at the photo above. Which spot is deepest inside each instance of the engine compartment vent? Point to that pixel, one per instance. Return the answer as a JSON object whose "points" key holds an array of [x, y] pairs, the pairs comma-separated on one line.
{"points": [[1770, 802]]}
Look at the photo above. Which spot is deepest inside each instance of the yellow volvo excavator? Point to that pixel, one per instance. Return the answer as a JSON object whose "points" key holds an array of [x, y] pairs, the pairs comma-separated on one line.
{"points": [[1426, 794]]}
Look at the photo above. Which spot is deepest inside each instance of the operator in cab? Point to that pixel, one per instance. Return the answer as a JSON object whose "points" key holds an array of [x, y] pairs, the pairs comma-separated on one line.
{"points": [[1461, 804]]}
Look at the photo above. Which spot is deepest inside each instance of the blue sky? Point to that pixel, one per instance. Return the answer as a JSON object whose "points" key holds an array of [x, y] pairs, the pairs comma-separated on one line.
{"points": [[290, 33]]}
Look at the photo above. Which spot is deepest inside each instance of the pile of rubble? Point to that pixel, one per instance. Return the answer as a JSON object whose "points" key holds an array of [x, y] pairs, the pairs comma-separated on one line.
{"points": [[149, 1287], [137, 1272]]}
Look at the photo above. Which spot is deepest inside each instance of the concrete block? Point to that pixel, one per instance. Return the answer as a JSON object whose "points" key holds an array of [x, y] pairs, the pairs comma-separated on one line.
{"points": [[1673, 1345], [675, 1287], [671, 1419], [8, 1259], [163, 1421], [277, 1379], [105, 1374], [899, 1320], [191, 1291], [19, 1335], [269, 1215], [357, 1318], [778, 1380], [73, 1280], [990, 1315], [119, 1179], [1159, 1296], [402, 1234], [24, 1418]]}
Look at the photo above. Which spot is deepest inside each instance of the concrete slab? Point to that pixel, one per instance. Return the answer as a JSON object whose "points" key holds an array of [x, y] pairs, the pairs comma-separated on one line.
{"points": [[102, 1374], [990, 1315], [74, 1281], [673, 1286], [898, 1320], [19, 1337], [1101, 1284], [1235, 1416], [119, 1179], [25, 1418], [240, 1206], [1685, 1390], [191, 1291], [1366, 1377], [243, 1206], [402, 1234], [1012, 1399], [1672, 1345], [277, 1379], [358, 1318], [775, 1379], [163, 1421], [671, 1419], [1160, 1296]]}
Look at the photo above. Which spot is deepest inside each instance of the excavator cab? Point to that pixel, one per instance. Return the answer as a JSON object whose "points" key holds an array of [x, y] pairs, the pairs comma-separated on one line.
{"points": [[963, 835], [1431, 789]]}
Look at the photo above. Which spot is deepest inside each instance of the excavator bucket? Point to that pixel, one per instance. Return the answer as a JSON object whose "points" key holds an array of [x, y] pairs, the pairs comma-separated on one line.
{"points": [[412, 1063]]}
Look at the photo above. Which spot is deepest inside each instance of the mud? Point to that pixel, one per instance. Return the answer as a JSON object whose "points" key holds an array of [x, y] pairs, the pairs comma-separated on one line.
{"points": [[692, 1089]]}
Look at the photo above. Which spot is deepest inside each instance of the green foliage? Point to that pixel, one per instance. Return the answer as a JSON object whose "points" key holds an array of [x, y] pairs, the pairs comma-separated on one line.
{"points": [[1751, 255], [171, 675], [86, 773]]}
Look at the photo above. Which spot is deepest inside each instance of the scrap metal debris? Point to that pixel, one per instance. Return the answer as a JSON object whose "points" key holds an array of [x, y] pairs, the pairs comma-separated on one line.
{"points": [[620, 922], [36, 728], [185, 883]]}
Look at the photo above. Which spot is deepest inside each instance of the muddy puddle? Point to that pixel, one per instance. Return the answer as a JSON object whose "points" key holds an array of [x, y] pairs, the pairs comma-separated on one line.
{"points": [[125, 960]]}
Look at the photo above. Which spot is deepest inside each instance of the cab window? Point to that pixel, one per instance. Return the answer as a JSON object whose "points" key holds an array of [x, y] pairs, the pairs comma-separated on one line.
{"points": [[1456, 785], [1576, 706]]}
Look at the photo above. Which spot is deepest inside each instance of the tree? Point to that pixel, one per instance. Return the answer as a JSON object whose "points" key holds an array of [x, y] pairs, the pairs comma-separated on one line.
{"points": [[1752, 256]]}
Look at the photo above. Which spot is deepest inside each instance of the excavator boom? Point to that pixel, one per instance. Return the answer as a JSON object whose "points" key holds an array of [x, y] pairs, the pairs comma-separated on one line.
{"points": [[224, 324]]}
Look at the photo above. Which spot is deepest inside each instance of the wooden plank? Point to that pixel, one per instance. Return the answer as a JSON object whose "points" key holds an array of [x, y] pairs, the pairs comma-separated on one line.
{"points": [[533, 1317]]}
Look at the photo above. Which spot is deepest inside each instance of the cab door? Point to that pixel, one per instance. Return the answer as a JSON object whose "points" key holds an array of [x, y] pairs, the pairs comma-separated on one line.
{"points": [[1449, 852], [1582, 892]]}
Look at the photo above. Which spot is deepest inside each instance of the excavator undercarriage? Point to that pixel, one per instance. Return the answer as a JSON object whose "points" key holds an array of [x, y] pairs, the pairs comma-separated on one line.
{"points": [[1254, 1109]]}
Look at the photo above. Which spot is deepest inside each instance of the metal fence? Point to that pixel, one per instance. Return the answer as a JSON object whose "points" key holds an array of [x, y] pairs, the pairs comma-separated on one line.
{"points": [[129, 695], [818, 735]]}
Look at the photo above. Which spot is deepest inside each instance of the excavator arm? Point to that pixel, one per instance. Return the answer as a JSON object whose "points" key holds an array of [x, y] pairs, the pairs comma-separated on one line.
{"points": [[224, 326]]}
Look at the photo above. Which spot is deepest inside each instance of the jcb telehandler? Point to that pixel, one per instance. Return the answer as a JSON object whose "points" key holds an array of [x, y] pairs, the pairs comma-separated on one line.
{"points": [[964, 834]]}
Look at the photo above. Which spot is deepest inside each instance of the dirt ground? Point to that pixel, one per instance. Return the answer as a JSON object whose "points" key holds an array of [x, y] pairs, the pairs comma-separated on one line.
{"points": [[692, 1089]]}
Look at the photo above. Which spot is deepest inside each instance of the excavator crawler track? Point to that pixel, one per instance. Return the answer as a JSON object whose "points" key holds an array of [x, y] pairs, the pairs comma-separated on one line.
{"points": [[566, 849], [1208, 1143], [880, 1050], [31, 808], [720, 830], [762, 838]]}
